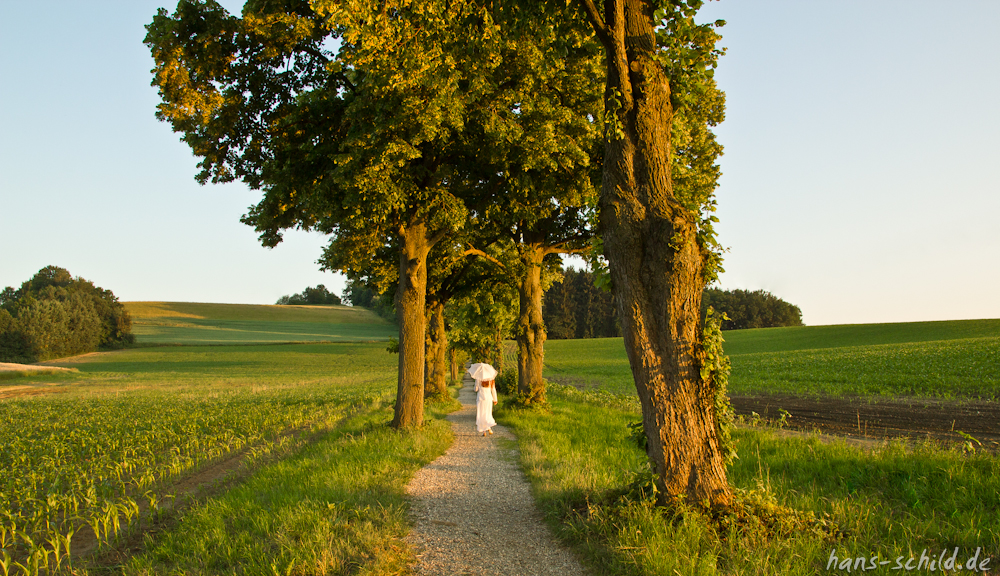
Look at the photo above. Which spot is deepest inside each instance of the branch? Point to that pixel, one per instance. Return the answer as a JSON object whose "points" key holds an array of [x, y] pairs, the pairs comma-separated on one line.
{"points": [[478, 252], [562, 248], [596, 22]]}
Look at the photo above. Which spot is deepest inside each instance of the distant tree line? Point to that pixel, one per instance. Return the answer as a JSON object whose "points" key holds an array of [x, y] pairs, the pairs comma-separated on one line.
{"points": [[751, 309], [358, 293], [317, 296], [577, 308], [55, 315]]}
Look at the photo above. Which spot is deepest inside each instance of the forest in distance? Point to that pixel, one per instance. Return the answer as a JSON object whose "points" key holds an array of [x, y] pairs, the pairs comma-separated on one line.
{"points": [[577, 308]]}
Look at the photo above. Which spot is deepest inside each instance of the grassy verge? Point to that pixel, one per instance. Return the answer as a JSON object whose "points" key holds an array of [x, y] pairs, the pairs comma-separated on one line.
{"points": [[889, 502], [337, 507]]}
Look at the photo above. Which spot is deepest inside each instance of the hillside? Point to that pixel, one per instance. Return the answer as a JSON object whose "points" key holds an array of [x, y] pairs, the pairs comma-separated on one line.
{"points": [[936, 359], [206, 323]]}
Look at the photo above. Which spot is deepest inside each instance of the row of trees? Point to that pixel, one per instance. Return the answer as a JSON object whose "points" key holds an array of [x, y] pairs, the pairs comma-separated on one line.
{"points": [[317, 296], [751, 309], [452, 150], [54, 315], [577, 308]]}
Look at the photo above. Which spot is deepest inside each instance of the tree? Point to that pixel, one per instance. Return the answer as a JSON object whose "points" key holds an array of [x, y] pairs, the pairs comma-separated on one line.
{"points": [[751, 309], [657, 237], [545, 167], [357, 139], [318, 296], [388, 142], [577, 308], [54, 315]]}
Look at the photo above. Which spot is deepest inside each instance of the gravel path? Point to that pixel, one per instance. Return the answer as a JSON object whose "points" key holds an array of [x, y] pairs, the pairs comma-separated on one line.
{"points": [[473, 512]]}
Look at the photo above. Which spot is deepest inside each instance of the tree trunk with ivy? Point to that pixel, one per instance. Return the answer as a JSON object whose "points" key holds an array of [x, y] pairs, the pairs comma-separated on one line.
{"points": [[655, 260]]}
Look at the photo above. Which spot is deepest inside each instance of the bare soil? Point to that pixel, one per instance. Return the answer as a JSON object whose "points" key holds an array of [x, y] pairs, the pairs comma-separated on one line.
{"points": [[881, 419]]}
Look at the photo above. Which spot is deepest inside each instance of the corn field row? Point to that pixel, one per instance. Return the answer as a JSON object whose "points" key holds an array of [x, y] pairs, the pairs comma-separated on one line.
{"points": [[96, 462]]}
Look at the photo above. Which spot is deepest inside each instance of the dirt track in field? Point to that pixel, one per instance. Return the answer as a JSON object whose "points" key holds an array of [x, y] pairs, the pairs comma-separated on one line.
{"points": [[865, 418]]}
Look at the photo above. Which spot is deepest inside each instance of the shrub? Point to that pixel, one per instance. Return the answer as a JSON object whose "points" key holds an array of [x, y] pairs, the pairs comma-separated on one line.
{"points": [[317, 296], [54, 315], [506, 382]]}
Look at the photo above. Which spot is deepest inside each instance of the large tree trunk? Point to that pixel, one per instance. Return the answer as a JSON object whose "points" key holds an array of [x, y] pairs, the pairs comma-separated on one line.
{"points": [[531, 327], [410, 299], [437, 345], [656, 266]]}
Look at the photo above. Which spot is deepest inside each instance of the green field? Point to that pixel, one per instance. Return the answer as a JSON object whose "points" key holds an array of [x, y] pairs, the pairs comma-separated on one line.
{"points": [[933, 359], [197, 323], [317, 486], [104, 451], [799, 499]]}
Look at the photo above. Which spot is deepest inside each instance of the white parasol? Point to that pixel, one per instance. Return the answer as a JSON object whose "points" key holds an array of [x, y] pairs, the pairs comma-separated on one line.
{"points": [[482, 371]]}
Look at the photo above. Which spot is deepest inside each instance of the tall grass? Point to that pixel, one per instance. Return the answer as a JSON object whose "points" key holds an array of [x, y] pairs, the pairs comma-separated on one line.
{"points": [[887, 502], [337, 507]]}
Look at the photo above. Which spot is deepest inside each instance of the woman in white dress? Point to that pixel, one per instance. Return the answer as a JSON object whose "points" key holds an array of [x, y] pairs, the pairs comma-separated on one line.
{"points": [[486, 397]]}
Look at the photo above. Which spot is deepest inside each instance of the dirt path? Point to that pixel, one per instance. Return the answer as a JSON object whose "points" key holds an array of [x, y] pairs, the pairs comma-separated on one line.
{"points": [[473, 512]]}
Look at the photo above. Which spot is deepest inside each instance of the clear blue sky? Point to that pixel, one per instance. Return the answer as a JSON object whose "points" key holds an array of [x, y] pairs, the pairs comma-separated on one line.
{"points": [[861, 174]]}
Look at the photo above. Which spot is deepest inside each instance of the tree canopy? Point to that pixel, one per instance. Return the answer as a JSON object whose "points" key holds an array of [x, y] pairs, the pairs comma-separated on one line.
{"points": [[317, 296], [751, 309], [387, 125], [54, 315]]}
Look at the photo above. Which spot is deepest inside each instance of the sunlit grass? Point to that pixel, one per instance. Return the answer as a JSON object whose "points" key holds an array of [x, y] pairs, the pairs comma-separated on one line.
{"points": [[337, 507], [943, 359], [198, 323], [891, 501], [129, 423]]}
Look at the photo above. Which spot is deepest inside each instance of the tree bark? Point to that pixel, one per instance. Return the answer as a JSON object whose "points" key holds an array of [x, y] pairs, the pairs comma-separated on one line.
{"points": [[410, 301], [656, 266], [437, 345], [453, 363], [530, 327]]}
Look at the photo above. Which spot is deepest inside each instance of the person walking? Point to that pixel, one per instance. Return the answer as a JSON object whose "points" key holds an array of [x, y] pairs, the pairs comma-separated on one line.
{"points": [[486, 396]]}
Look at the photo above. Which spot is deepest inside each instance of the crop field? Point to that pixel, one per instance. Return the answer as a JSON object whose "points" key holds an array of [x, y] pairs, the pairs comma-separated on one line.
{"points": [[261, 457], [927, 359], [196, 323], [92, 455]]}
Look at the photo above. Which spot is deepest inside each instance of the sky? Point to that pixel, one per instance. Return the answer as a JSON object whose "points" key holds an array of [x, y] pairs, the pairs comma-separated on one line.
{"points": [[861, 179]]}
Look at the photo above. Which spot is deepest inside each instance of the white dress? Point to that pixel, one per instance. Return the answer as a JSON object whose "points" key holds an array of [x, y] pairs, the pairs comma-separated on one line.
{"points": [[485, 397]]}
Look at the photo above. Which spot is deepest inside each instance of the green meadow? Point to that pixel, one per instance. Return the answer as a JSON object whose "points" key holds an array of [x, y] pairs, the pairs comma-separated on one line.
{"points": [[197, 323], [306, 476], [804, 506], [929, 359]]}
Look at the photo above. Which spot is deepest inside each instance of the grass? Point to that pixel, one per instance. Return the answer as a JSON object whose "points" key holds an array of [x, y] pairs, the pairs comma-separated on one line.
{"points": [[197, 323], [888, 502], [934, 359], [336, 507], [128, 425]]}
